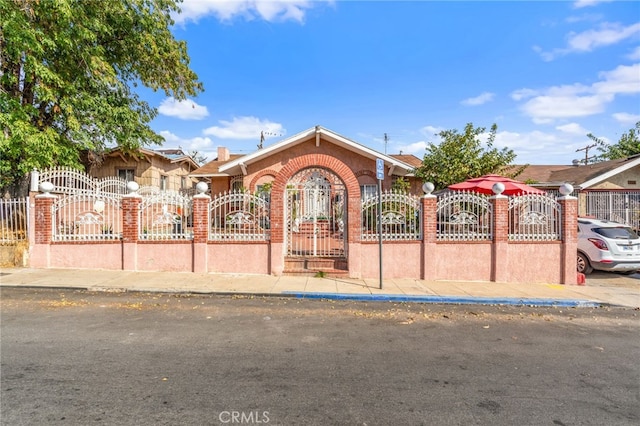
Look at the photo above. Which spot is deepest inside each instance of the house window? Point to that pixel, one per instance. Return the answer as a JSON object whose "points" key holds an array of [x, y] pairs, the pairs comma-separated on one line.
{"points": [[183, 182], [237, 183], [368, 191], [163, 182], [126, 174]]}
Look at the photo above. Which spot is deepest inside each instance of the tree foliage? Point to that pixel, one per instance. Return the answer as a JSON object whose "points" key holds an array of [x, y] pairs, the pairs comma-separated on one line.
{"points": [[68, 69], [461, 156], [628, 145]]}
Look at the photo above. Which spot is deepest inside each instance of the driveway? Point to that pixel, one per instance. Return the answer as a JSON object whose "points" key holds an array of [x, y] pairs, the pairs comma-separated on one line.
{"points": [[612, 279]]}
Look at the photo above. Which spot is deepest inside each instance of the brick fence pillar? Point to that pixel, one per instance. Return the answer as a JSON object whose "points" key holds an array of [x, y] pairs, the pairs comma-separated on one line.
{"points": [[44, 218], [429, 218], [130, 230], [200, 232], [43, 231], [569, 235], [499, 253]]}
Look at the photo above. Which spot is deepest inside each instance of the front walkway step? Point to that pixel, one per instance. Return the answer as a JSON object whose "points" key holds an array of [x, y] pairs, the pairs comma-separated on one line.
{"points": [[312, 266]]}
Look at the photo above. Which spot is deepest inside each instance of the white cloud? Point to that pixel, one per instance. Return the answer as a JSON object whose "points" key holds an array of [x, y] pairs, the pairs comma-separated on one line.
{"points": [[417, 148], [578, 100], [530, 147], [227, 10], [431, 131], [626, 118], [578, 4], [608, 33], [520, 94], [625, 79], [185, 109], [188, 144], [244, 128], [635, 54], [586, 41], [543, 109], [479, 100], [573, 129]]}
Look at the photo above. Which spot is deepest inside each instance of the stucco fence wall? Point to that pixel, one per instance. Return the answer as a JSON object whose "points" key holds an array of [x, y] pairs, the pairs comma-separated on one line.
{"points": [[497, 260]]}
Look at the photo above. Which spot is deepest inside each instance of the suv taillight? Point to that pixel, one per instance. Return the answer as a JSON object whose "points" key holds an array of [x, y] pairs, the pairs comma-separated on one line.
{"points": [[599, 243]]}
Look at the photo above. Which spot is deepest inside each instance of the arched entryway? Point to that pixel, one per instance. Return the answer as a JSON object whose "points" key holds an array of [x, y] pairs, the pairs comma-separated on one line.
{"points": [[316, 220]]}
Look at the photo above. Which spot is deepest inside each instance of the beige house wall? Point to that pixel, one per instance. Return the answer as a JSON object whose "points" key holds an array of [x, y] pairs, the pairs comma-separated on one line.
{"points": [[629, 179], [147, 171]]}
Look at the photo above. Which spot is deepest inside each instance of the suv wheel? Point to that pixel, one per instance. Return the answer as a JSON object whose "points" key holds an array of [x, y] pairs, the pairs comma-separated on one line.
{"points": [[583, 264]]}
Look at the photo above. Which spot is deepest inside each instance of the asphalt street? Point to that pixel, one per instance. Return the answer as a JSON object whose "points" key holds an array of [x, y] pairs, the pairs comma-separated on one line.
{"points": [[78, 358]]}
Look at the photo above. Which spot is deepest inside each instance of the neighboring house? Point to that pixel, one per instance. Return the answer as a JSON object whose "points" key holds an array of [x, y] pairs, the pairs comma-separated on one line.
{"points": [[167, 169], [607, 190], [316, 147]]}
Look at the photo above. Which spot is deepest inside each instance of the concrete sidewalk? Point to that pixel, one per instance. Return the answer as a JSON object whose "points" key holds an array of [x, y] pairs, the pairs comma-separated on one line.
{"points": [[468, 292]]}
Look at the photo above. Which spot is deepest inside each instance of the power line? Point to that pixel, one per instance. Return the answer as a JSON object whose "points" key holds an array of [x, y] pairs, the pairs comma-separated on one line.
{"points": [[586, 153]]}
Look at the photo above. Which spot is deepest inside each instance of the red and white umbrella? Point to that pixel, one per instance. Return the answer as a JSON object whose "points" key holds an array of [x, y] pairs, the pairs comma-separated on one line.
{"points": [[484, 185]]}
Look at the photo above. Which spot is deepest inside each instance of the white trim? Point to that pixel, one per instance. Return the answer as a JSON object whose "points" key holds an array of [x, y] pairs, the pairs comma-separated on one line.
{"points": [[610, 173], [305, 135]]}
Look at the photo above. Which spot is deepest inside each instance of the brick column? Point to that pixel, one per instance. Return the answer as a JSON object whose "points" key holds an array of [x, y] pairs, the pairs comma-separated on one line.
{"points": [[429, 218], [569, 235], [130, 231], [44, 218], [499, 249], [43, 231], [200, 232]]}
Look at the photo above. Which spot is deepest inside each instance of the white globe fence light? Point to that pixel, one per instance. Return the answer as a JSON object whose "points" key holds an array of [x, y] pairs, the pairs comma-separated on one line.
{"points": [[46, 187], [428, 188], [498, 188], [565, 189], [132, 187], [202, 187]]}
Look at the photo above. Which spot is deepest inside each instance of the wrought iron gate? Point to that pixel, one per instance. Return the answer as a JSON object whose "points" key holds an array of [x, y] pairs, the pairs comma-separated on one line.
{"points": [[315, 208], [618, 206]]}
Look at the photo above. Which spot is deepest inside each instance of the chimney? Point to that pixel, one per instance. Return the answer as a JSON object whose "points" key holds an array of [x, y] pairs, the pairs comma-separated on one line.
{"points": [[223, 153]]}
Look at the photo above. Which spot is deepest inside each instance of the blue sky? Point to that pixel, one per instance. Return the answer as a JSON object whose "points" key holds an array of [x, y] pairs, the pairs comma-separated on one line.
{"points": [[546, 72]]}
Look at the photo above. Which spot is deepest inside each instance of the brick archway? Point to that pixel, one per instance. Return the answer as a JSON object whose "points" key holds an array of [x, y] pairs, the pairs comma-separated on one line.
{"points": [[256, 178], [315, 160]]}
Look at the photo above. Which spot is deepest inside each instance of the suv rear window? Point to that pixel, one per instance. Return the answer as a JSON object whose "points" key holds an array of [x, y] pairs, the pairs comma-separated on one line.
{"points": [[619, 233]]}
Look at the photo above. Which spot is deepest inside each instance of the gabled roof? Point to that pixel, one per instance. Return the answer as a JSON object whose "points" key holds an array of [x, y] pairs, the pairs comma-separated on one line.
{"points": [[174, 155], [212, 168], [235, 165], [410, 159], [580, 176]]}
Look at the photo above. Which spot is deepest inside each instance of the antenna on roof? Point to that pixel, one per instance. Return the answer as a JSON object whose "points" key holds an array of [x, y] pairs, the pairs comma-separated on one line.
{"points": [[263, 134], [386, 139]]}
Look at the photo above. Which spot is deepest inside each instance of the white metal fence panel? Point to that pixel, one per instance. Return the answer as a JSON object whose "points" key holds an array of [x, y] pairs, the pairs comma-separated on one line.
{"points": [[464, 216], [239, 216], [87, 217], [534, 217], [400, 217], [166, 215], [14, 220], [617, 206]]}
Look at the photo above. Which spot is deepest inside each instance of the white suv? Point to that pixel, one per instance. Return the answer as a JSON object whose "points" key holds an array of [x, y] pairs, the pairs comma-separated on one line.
{"points": [[607, 246]]}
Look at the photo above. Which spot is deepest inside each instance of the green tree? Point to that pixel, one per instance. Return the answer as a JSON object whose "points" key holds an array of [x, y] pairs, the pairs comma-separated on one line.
{"points": [[68, 70], [628, 145], [461, 156]]}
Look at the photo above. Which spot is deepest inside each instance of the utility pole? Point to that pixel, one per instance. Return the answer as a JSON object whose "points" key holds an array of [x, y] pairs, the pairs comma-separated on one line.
{"points": [[586, 152], [386, 139]]}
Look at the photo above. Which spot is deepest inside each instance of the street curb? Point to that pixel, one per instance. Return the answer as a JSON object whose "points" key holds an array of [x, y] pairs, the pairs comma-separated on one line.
{"points": [[449, 300], [445, 300]]}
